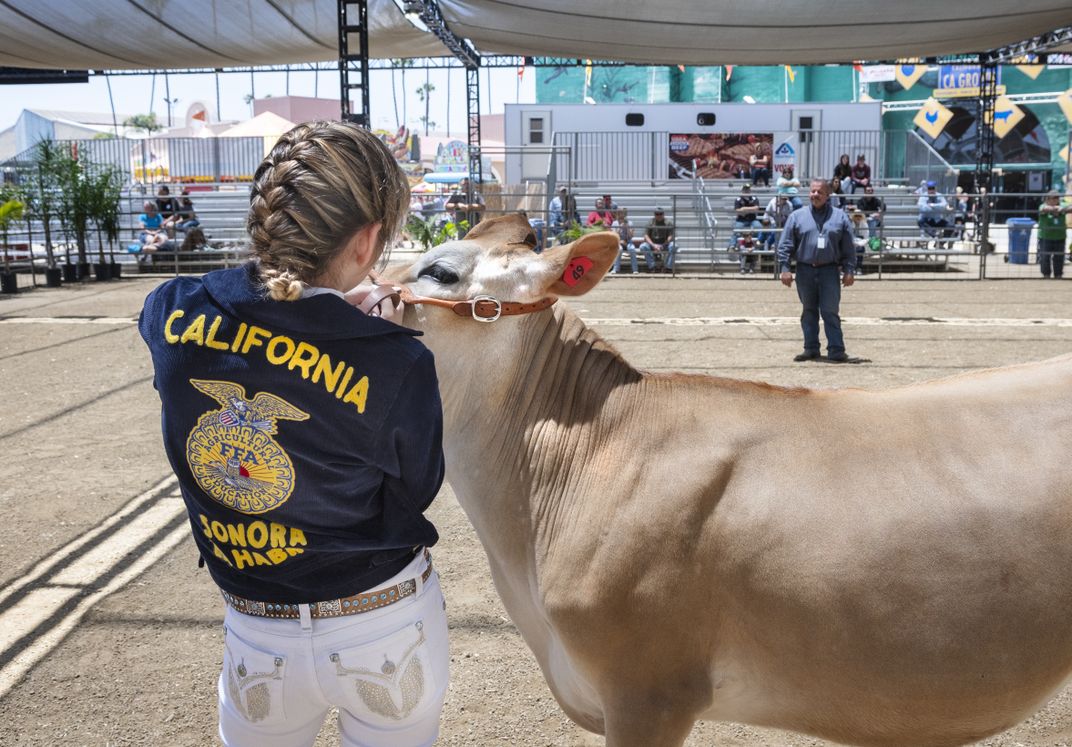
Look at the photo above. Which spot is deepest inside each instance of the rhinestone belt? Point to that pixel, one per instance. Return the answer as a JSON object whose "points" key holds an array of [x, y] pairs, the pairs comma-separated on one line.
{"points": [[352, 605]]}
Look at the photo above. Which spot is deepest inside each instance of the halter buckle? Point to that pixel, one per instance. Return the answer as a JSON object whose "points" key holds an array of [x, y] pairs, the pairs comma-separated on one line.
{"points": [[498, 308]]}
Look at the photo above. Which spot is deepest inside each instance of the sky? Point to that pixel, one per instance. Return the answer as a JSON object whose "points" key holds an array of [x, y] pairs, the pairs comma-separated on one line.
{"points": [[139, 94]]}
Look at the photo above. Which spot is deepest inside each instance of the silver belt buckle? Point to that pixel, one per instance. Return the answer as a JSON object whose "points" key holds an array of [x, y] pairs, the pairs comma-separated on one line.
{"points": [[498, 309]]}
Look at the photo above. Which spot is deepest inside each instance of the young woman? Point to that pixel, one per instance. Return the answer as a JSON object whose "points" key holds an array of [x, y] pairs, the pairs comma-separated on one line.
{"points": [[843, 172], [306, 436]]}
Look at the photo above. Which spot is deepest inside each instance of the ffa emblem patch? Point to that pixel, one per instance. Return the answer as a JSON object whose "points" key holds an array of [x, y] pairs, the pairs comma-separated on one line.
{"points": [[231, 451]]}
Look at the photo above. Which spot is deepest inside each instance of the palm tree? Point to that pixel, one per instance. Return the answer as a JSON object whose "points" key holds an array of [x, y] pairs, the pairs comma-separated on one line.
{"points": [[146, 122], [424, 94], [404, 64], [395, 64]]}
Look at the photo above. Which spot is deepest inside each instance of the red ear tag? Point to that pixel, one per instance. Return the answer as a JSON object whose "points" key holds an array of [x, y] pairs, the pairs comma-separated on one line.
{"points": [[575, 270]]}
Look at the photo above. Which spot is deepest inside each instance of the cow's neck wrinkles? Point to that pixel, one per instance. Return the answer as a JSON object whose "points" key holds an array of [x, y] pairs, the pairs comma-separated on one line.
{"points": [[547, 397]]}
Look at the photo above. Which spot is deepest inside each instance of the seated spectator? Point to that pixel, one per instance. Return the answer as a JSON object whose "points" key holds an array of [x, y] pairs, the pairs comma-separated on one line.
{"points": [[777, 213], [843, 173], [746, 252], [600, 216], [860, 176], [933, 212], [625, 239], [873, 208], [185, 218], [563, 211], [152, 228], [167, 206], [609, 204], [460, 209], [860, 235], [195, 240], [789, 186], [165, 203], [837, 195], [760, 163], [962, 212], [659, 238], [538, 225], [745, 213]]}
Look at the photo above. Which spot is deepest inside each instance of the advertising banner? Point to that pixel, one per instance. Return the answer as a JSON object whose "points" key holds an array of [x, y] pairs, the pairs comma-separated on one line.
{"points": [[718, 155], [786, 146], [932, 118], [878, 73], [961, 81]]}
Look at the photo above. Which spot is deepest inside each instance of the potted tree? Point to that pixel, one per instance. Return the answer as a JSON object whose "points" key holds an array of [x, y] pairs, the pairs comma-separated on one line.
{"points": [[110, 215], [11, 210], [428, 233], [75, 197], [104, 192], [42, 199]]}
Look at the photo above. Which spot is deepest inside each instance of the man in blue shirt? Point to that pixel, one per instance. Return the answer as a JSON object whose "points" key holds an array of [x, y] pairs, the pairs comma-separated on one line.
{"points": [[933, 209], [819, 238]]}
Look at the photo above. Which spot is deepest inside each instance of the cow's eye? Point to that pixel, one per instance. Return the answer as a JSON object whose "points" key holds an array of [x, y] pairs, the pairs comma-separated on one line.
{"points": [[440, 274]]}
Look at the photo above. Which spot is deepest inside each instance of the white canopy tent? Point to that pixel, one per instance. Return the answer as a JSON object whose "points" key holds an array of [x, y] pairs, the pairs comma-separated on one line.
{"points": [[169, 34]]}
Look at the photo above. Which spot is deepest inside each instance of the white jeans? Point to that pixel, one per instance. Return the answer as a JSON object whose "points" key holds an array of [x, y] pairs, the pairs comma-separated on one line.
{"points": [[385, 670]]}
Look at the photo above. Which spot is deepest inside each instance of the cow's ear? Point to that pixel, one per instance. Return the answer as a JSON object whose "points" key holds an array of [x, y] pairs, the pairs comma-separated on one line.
{"points": [[576, 268], [511, 230]]}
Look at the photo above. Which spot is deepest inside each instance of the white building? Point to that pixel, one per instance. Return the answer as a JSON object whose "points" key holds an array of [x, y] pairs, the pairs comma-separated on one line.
{"points": [[633, 141]]}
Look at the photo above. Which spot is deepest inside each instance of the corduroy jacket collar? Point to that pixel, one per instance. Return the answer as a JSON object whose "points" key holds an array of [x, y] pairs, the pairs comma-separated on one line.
{"points": [[324, 316]]}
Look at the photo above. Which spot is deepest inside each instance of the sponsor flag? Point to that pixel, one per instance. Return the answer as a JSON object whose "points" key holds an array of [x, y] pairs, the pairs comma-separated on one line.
{"points": [[932, 117], [1028, 65], [681, 68], [791, 73], [1065, 102], [1064, 154], [1006, 116], [1031, 71], [729, 72], [907, 75]]}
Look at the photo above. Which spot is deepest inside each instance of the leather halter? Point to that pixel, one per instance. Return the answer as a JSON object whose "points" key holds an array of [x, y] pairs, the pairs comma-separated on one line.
{"points": [[480, 308]]}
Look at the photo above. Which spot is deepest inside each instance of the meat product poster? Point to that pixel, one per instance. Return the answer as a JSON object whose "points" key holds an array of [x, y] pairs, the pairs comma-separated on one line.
{"points": [[718, 155]]}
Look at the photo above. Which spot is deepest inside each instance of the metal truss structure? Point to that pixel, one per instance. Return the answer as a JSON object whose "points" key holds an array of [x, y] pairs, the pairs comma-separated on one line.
{"points": [[354, 65], [428, 14]]}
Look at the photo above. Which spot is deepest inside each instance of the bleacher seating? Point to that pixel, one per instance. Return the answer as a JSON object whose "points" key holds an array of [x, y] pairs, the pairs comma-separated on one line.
{"points": [[221, 209], [903, 248]]}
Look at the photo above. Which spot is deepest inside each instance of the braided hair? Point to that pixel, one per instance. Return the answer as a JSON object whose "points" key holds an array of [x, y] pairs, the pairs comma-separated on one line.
{"points": [[321, 183]]}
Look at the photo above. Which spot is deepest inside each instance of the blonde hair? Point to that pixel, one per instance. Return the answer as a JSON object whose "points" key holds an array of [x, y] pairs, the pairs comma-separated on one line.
{"points": [[322, 183]]}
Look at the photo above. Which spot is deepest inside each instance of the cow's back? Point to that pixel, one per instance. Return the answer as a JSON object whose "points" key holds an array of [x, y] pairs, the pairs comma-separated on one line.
{"points": [[837, 559]]}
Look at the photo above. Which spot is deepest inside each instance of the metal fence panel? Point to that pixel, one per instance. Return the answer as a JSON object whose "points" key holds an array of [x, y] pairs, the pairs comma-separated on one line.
{"points": [[159, 159]]}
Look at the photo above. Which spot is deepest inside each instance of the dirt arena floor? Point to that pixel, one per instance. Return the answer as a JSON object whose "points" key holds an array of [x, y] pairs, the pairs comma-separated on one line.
{"points": [[109, 633]]}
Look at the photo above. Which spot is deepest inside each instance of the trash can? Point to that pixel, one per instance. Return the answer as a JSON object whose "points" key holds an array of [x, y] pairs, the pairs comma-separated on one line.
{"points": [[1019, 239]]}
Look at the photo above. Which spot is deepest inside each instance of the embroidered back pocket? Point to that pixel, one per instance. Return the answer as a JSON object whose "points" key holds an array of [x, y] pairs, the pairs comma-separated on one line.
{"points": [[390, 679], [254, 681]]}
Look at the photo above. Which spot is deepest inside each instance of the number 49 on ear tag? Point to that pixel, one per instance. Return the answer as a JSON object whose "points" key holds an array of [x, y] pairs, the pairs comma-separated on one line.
{"points": [[576, 270]]}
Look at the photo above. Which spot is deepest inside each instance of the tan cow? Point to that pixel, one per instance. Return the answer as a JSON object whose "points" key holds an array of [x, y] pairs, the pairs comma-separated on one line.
{"points": [[679, 547]]}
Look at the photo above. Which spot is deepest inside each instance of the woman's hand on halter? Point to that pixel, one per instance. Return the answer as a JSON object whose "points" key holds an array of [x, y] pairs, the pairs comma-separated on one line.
{"points": [[375, 299]]}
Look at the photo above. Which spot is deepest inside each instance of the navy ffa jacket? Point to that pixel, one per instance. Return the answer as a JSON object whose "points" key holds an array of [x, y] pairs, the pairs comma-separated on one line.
{"points": [[306, 436]]}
